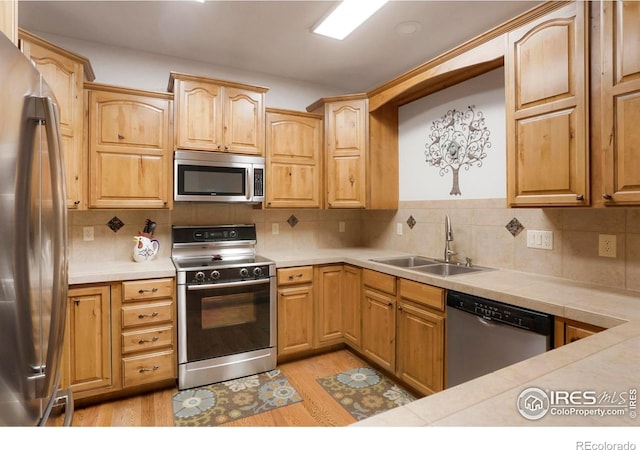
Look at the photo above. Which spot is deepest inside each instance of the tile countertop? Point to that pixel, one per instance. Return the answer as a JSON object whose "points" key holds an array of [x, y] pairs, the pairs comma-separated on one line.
{"points": [[606, 363]]}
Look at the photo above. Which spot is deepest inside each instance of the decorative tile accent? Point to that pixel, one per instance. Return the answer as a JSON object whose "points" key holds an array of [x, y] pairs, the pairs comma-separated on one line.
{"points": [[115, 224], [411, 222], [515, 227], [293, 221]]}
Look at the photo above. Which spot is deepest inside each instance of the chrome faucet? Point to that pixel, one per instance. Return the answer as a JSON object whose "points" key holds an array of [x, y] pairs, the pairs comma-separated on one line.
{"points": [[448, 235]]}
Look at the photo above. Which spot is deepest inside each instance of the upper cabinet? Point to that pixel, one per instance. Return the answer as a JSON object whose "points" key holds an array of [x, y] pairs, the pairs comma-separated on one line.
{"points": [[65, 73], [620, 102], [546, 67], [294, 166], [9, 19], [130, 147], [217, 115], [361, 153]]}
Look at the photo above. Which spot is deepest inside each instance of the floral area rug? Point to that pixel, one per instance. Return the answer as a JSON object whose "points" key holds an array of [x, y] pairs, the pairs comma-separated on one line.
{"points": [[231, 400], [364, 392]]}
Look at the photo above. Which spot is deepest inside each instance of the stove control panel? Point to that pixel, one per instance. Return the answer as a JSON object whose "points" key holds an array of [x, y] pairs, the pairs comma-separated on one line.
{"points": [[225, 274]]}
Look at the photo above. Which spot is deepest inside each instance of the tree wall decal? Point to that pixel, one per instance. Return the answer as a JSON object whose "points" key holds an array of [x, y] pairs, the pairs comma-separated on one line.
{"points": [[458, 140]]}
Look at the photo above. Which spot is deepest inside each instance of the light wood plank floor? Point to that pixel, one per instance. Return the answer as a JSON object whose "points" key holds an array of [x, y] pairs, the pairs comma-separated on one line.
{"points": [[316, 409]]}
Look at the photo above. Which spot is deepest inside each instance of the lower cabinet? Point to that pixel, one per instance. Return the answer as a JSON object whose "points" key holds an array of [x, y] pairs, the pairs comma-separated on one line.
{"points": [[567, 331], [295, 310], [379, 318], [119, 335], [352, 306]]}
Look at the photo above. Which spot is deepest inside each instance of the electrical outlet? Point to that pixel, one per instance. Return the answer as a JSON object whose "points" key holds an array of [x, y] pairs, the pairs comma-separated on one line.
{"points": [[399, 228], [607, 245], [540, 239], [341, 227], [275, 228], [87, 233]]}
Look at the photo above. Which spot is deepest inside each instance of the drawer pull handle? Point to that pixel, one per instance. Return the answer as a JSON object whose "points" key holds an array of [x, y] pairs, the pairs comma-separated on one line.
{"points": [[153, 291], [299, 275], [142, 316], [153, 369], [144, 341]]}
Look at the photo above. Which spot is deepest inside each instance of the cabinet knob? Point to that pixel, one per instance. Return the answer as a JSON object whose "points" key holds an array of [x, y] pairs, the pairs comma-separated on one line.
{"points": [[120, 136], [580, 197], [607, 197]]}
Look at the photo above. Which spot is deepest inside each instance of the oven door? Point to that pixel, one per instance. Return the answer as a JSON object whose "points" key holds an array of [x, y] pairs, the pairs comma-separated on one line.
{"points": [[225, 319]]}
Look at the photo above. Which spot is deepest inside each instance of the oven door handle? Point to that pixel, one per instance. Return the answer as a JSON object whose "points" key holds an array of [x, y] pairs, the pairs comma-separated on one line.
{"points": [[200, 287]]}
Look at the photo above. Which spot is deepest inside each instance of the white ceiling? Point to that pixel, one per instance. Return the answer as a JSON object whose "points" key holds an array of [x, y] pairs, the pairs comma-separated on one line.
{"points": [[274, 37]]}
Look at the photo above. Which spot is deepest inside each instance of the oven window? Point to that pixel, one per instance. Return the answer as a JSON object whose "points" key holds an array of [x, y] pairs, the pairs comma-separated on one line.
{"points": [[203, 180], [226, 321]]}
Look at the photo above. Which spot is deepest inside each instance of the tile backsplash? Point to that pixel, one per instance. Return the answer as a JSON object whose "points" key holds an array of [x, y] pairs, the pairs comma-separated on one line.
{"points": [[479, 228]]}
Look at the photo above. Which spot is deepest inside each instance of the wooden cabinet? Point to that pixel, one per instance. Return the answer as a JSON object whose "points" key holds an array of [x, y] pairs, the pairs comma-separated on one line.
{"points": [[379, 318], [294, 166], [420, 336], [328, 317], [65, 73], [567, 331], [546, 67], [130, 148], [9, 19], [295, 310], [352, 306], [620, 98], [87, 357], [218, 115], [147, 336]]}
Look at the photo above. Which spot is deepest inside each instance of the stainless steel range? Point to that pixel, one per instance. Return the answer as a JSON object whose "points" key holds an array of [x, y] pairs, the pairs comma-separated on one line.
{"points": [[226, 304]]}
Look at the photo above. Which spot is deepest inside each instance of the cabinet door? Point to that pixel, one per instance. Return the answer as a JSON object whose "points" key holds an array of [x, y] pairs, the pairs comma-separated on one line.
{"points": [[328, 283], [198, 116], [295, 319], [293, 147], [129, 151], [621, 101], [65, 77], [420, 351], [87, 359], [351, 306], [346, 137], [9, 19], [547, 116], [243, 121], [379, 328]]}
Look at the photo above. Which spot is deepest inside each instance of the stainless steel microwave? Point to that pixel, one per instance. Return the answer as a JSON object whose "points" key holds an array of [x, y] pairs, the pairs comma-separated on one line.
{"points": [[203, 176]]}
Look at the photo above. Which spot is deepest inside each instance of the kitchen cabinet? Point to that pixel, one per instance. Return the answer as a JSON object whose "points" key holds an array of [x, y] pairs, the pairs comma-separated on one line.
{"points": [[379, 319], [9, 19], [87, 358], [293, 159], [361, 153], [567, 331], [420, 336], [546, 65], [147, 315], [130, 148], [295, 310], [218, 115], [65, 73], [620, 101], [352, 306], [329, 286]]}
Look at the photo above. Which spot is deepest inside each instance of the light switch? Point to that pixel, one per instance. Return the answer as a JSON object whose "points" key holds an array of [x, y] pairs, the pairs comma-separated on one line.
{"points": [[540, 239]]}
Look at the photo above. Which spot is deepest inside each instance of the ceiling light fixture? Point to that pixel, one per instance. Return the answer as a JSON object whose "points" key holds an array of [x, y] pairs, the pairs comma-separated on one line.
{"points": [[347, 17]]}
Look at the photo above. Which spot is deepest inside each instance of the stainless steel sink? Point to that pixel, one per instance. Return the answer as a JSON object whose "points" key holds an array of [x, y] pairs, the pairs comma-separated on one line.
{"points": [[406, 261], [447, 270]]}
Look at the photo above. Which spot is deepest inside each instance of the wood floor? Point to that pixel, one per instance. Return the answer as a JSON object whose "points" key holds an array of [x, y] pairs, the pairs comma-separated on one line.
{"points": [[316, 409]]}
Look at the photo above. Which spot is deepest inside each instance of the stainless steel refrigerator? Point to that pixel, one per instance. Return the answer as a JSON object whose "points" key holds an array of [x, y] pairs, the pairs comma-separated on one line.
{"points": [[33, 245]]}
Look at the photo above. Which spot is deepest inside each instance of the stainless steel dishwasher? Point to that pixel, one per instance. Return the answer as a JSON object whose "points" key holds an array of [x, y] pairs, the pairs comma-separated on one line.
{"points": [[485, 335]]}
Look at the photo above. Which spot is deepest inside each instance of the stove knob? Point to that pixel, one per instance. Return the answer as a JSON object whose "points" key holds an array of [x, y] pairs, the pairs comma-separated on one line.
{"points": [[257, 271], [200, 276], [215, 275], [244, 273]]}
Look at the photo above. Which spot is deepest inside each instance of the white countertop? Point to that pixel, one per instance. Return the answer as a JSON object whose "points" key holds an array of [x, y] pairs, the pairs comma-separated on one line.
{"points": [[607, 363]]}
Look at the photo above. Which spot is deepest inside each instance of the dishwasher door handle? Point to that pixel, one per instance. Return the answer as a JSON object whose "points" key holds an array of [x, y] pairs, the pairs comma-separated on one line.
{"points": [[486, 322]]}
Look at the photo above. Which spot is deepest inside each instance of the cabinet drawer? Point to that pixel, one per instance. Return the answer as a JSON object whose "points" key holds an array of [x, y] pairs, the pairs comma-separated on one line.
{"points": [[145, 339], [147, 289], [148, 368], [423, 294], [295, 275], [147, 314], [380, 281]]}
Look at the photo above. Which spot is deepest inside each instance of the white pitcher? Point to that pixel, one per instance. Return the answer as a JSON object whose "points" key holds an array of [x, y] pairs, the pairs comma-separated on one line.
{"points": [[145, 249]]}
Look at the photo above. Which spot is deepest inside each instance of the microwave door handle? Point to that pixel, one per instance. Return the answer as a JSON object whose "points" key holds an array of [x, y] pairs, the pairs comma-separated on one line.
{"points": [[249, 183]]}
